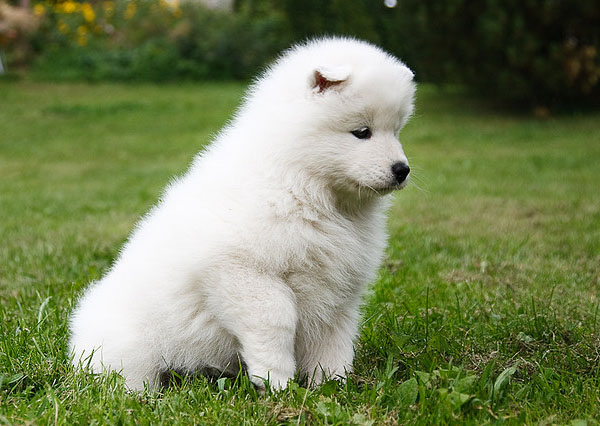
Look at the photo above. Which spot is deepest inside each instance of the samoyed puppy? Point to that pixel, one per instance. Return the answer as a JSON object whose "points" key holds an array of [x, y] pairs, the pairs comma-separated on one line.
{"points": [[258, 257]]}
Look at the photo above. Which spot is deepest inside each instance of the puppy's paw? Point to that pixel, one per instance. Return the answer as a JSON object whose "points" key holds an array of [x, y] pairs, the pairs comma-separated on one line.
{"points": [[275, 381]]}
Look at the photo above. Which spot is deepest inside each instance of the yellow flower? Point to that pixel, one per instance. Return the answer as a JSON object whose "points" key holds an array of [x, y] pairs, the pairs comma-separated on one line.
{"points": [[130, 11], [88, 13], [39, 9], [63, 27], [170, 5], [82, 36], [109, 8], [69, 7]]}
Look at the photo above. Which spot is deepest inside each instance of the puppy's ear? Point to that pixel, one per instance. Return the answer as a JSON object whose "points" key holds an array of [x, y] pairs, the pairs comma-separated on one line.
{"points": [[323, 78]]}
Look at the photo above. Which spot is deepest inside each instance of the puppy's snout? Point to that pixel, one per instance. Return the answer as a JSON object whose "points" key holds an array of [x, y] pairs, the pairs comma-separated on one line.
{"points": [[400, 171]]}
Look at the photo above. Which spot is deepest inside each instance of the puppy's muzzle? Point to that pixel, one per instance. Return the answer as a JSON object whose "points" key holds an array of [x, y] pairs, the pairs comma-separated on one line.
{"points": [[400, 171]]}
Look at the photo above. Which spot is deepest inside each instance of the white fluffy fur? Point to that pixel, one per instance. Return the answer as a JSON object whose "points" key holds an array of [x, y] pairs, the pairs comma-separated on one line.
{"points": [[260, 254]]}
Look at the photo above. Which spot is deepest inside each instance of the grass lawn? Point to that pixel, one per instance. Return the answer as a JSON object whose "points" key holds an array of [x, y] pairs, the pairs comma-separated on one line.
{"points": [[486, 309]]}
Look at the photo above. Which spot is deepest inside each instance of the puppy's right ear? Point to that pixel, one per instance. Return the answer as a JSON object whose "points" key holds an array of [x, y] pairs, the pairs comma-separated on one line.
{"points": [[324, 78]]}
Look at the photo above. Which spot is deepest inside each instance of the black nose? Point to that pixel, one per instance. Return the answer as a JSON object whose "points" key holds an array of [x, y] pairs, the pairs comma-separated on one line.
{"points": [[400, 171]]}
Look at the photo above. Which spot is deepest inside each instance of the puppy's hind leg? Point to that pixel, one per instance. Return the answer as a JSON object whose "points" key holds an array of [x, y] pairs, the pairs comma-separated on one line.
{"points": [[260, 311], [135, 360]]}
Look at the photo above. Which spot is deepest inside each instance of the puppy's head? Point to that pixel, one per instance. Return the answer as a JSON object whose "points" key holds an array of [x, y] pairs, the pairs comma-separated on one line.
{"points": [[360, 109], [339, 105]]}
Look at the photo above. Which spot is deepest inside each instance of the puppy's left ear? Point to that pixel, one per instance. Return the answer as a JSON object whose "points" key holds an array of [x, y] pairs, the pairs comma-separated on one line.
{"points": [[324, 78]]}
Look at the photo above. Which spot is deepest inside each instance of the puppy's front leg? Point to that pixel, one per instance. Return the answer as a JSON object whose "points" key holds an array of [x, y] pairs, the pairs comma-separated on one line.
{"points": [[331, 356], [260, 312]]}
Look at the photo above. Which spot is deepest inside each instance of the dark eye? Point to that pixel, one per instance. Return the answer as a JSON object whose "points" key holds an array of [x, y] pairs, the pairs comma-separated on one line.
{"points": [[362, 133]]}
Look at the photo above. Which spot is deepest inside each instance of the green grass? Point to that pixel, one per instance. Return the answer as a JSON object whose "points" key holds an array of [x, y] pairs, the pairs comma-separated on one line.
{"points": [[486, 310]]}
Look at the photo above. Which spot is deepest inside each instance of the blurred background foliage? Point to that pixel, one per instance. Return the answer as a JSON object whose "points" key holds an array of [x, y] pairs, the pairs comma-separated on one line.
{"points": [[536, 53]]}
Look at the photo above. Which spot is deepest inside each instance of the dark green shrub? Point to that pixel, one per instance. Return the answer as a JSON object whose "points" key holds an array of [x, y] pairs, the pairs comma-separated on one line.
{"points": [[227, 45], [537, 52]]}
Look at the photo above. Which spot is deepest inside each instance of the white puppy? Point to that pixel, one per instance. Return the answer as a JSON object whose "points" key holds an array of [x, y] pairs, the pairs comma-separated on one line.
{"points": [[258, 257]]}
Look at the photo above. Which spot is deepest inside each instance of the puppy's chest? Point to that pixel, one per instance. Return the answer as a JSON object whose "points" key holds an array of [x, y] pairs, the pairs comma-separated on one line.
{"points": [[333, 262]]}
